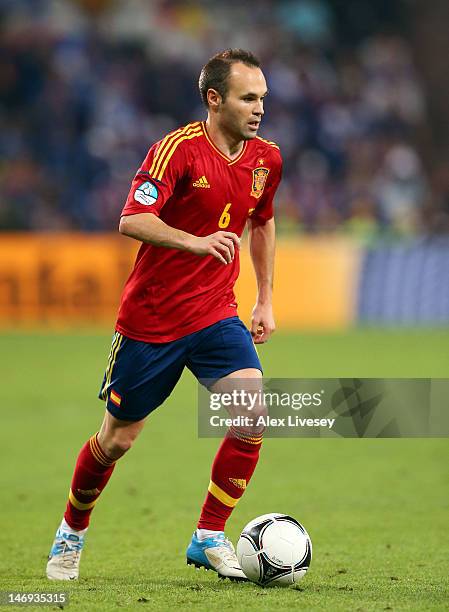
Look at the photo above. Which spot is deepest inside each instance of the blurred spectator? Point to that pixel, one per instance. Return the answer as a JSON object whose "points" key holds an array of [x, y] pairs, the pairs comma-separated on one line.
{"points": [[400, 189], [88, 86]]}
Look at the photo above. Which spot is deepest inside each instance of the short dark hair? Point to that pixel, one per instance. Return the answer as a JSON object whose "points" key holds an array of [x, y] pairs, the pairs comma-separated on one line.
{"points": [[215, 73]]}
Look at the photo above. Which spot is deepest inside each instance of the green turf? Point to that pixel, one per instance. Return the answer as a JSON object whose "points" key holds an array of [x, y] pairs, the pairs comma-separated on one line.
{"points": [[377, 510]]}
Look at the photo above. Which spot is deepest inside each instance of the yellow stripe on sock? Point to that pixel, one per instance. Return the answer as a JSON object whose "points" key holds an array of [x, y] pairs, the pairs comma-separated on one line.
{"points": [[95, 454], [98, 453], [248, 441], [251, 439], [246, 436], [222, 496], [79, 505]]}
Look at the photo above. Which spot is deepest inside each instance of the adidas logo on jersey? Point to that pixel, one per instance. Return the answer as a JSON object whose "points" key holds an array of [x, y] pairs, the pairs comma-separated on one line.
{"points": [[202, 182]]}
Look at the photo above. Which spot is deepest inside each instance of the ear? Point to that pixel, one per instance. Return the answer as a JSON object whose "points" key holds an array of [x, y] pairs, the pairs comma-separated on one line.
{"points": [[213, 99]]}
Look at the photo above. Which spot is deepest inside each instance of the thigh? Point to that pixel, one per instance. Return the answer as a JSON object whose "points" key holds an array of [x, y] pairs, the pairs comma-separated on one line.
{"points": [[221, 350], [140, 376]]}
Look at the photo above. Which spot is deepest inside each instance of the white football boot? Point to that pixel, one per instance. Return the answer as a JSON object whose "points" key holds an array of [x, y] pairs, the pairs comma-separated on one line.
{"points": [[64, 558], [215, 553]]}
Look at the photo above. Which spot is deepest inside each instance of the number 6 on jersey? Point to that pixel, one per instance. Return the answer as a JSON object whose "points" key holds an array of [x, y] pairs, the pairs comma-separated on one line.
{"points": [[225, 218]]}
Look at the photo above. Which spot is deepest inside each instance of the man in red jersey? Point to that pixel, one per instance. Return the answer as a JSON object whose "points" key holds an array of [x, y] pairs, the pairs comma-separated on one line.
{"points": [[189, 203]]}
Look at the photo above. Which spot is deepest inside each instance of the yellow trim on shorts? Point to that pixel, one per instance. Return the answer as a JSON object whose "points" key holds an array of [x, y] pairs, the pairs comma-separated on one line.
{"points": [[116, 343]]}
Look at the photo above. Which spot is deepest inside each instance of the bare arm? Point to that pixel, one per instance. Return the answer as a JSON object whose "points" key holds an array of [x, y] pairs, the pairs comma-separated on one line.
{"points": [[261, 245], [149, 228]]}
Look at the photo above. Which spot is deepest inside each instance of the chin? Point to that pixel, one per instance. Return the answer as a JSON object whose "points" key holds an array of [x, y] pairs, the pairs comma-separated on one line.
{"points": [[249, 135]]}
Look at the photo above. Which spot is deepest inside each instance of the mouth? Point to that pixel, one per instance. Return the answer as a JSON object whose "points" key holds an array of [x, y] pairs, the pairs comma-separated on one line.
{"points": [[254, 125]]}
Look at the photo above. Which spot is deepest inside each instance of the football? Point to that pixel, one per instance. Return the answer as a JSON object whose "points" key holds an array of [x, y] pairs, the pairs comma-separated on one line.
{"points": [[274, 549]]}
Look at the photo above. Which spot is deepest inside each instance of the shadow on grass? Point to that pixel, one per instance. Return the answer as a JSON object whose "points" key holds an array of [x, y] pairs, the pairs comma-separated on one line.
{"points": [[198, 583]]}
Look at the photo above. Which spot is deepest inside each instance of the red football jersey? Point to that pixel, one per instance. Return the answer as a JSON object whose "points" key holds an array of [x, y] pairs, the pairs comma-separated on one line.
{"points": [[192, 186]]}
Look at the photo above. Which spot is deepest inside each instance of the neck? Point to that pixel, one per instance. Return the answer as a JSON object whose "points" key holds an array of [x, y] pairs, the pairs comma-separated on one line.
{"points": [[225, 142]]}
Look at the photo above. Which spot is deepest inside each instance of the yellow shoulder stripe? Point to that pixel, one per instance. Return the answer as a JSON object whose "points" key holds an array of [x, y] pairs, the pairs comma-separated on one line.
{"points": [[159, 173], [270, 142], [165, 144]]}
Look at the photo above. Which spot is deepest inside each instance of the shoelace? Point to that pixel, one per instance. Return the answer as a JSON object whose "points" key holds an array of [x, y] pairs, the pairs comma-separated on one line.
{"points": [[228, 552], [70, 553]]}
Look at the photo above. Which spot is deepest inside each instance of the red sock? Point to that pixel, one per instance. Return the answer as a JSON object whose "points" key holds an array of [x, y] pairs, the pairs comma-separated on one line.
{"points": [[232, 469], [92, 472]]}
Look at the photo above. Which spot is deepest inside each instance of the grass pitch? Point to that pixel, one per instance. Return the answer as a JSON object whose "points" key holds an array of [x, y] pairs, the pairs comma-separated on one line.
{"points": [[376, 510]]}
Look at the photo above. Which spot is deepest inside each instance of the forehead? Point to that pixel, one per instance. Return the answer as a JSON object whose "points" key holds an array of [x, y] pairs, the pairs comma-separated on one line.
{"points": [[247, 79]]}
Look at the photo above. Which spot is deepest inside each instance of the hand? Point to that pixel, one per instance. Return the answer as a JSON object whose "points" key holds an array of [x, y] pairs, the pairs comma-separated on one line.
{"points": [[220, 245], [262, 323]]}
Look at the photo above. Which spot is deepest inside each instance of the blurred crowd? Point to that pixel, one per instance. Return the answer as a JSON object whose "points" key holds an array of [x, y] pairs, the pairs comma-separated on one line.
{"points": [[86, 87]]}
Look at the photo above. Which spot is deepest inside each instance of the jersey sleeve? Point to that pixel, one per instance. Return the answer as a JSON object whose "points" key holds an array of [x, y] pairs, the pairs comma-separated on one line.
{"points": [[264, 209], [155, 181]]}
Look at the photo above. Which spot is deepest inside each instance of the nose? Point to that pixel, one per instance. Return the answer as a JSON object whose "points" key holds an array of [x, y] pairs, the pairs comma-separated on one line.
{"points": [[259, 111]]}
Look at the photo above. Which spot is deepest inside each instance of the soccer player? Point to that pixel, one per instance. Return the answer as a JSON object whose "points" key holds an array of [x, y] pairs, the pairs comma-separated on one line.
{"points": [[188, 204]]}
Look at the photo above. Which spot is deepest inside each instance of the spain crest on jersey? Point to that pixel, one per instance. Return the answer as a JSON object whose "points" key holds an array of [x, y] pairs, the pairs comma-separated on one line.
{"points": [[259, 179]]}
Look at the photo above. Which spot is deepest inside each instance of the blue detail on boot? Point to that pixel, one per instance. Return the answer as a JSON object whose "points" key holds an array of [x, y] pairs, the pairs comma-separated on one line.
{"points": [[195, 551], [66, 541]]}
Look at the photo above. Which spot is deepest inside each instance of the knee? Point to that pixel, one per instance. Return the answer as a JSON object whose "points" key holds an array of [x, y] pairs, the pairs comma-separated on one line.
{"points": [[115, 445], [258, 421]]}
